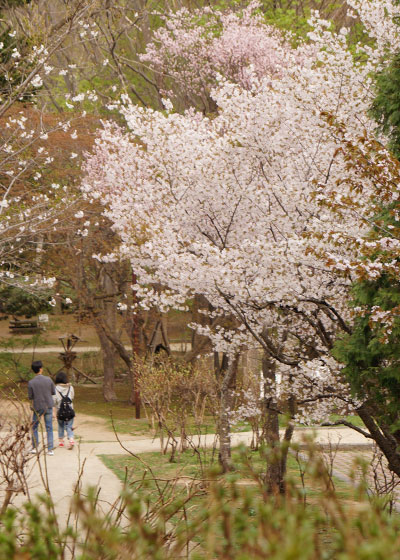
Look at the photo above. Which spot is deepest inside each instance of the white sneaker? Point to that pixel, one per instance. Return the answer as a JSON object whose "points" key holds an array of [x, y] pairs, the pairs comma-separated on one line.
{"points": [[50, 453], [34, 450]]}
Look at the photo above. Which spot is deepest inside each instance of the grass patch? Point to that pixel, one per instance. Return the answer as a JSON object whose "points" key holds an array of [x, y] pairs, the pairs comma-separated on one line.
{"points": [[353, 419], [89, 400], [178, 331], [16, 366], [187, 465], [130, 468]]}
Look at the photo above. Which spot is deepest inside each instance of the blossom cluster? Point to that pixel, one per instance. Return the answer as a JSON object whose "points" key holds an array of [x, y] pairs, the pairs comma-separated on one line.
{"points": [[196, 48], [225, 206]]}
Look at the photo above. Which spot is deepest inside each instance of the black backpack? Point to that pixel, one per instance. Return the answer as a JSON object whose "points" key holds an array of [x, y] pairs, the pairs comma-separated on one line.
{"points": [[65, 411]]}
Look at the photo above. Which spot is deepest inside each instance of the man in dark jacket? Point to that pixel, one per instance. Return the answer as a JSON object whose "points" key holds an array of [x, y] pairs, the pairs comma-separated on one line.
{"points": [[40, 391]]}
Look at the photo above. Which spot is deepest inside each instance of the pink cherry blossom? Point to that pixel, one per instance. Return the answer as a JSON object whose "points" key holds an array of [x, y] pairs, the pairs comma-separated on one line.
{"points": [[228, 206]]}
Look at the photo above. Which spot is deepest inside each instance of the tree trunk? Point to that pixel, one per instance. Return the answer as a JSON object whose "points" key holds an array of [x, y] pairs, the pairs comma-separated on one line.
{"points": [[201, 344], [108, 351], [108, 354], [274, 477], [134, 397], [287, 439], [227, 390], [386, 442], [220, 366], [135, 341]]}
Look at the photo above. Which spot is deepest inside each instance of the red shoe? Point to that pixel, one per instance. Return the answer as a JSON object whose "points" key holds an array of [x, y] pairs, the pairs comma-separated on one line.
{"points": [[61, 444]]}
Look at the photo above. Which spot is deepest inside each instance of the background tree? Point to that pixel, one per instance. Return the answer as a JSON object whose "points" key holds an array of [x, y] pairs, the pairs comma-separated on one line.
{"points": [[15, 301], [30, 205], [370, 352], [41, 150]]}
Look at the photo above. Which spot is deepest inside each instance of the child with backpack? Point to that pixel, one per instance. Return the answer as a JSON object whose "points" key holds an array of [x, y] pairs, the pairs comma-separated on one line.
{"points": [[65, 409]]}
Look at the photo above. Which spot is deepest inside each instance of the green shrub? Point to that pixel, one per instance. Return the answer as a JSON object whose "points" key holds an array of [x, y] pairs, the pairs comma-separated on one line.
{"points": [[215, 518]]}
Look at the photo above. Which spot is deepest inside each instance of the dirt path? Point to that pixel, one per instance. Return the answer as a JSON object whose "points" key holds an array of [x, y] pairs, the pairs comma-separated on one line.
{"points": [[175, 347]]}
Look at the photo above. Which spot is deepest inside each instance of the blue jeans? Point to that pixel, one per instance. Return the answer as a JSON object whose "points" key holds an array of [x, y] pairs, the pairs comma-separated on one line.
{"points": [[48, 422], [65, 425]]}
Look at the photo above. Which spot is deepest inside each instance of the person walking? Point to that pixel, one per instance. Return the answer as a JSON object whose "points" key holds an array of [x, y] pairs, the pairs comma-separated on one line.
{"points": [[65, 409], [40, 391]]}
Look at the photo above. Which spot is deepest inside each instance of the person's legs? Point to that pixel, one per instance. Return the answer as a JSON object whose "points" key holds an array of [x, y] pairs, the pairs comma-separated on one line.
{"points": [[48, 421], [35, 424], [70, 431], [61, 426]]}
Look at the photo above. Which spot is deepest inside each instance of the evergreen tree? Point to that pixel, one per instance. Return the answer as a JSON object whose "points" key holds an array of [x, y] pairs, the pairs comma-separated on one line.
{"points": [[16, 301], [371, 354], [386, 105]]}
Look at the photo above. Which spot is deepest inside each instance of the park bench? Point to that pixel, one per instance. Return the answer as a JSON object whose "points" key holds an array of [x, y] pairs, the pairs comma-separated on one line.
{"points": [[25, 326]]}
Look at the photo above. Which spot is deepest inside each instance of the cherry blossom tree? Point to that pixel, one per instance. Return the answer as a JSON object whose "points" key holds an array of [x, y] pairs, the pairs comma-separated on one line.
{"points": [[225, 206], [192, 48], [30, 203]]}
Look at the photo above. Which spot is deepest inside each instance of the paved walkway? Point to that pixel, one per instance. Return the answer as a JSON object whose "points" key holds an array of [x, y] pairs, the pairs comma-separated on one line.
{"points": [[61, 472]]}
